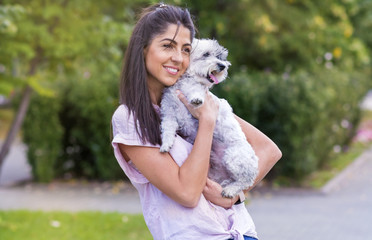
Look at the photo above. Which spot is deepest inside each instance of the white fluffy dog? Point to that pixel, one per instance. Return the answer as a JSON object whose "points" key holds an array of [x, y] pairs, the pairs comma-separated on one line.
{"points": [[233, 162]]}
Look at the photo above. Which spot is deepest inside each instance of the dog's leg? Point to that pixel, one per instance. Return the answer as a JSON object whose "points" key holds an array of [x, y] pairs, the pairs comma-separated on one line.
{"points": [[196, 94], [242, 165], [196, 100], [169, 124], [168, 134]]}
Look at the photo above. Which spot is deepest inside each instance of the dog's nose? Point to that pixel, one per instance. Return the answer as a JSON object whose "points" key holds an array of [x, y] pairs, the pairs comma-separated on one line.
{"points": [[221, 66]]}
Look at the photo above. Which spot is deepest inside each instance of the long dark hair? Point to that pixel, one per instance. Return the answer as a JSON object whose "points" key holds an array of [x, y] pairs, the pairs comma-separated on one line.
{"points": [[134, 92]]}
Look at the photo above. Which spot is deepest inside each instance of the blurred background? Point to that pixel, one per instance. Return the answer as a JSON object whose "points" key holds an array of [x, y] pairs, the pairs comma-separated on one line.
{"points": [[300, 72]]}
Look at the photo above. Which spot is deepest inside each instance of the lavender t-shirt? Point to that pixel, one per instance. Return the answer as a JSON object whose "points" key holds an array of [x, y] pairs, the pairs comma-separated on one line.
{"points": [[165, 218]]}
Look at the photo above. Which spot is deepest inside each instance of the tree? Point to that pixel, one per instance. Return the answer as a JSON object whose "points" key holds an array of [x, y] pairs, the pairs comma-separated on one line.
{"points": [[9, 14], [42, 41]]}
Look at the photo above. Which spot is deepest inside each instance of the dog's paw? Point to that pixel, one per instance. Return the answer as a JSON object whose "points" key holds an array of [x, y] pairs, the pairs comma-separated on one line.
{"points": [[196, 102], [230, 191], [165, 148]]}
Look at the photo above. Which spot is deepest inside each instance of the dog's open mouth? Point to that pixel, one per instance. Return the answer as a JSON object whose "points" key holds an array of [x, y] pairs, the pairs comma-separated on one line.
{"points": [[212, 78]]}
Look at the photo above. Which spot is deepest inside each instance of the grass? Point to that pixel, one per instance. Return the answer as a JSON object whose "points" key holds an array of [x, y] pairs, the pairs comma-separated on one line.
{"points": [[37, 225], [319, 178]]}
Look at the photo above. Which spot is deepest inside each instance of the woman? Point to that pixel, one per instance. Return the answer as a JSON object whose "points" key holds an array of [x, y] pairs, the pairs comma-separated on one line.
{"points": [[178, 200]]}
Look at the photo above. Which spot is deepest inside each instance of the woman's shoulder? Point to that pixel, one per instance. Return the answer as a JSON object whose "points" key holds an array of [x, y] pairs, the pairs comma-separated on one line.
{"points": [[121, 111], [122, 118]]}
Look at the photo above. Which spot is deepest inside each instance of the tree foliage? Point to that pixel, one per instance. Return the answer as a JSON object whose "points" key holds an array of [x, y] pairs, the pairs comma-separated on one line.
{"points": [[49, 43], [290, 59], [289, 35]]}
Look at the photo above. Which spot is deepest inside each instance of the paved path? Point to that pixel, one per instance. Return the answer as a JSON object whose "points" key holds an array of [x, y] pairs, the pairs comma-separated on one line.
{"points": [[16, 191], [342, 211], [15, 167]]}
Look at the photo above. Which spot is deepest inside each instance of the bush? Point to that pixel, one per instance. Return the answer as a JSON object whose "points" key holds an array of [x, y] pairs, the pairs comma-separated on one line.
{"points": [[42, 132], [309, 115], [69, 135], [86, 116]]}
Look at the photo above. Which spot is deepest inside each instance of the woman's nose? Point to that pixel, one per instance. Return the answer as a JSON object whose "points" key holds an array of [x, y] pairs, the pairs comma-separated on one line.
{"points": [[177, 56]]}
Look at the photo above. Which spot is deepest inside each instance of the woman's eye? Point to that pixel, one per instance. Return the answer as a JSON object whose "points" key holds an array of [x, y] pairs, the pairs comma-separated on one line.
{"points": [[167, 46], [187, 50]]}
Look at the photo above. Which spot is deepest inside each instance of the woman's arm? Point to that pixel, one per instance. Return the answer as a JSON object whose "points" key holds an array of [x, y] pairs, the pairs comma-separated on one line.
{"points": [[267, 152], [183, 184]]}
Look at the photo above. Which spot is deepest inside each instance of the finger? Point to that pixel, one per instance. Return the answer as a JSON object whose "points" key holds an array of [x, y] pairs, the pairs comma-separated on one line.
{"points": [[212, 183], [182, 97], [209, 182]]}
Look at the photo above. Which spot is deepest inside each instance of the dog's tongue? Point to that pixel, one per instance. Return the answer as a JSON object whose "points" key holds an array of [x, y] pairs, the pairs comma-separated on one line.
{"points": [[215, 80]]}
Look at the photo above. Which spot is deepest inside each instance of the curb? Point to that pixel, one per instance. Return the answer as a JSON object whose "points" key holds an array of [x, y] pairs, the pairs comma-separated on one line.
{"points": [[335, 183]]}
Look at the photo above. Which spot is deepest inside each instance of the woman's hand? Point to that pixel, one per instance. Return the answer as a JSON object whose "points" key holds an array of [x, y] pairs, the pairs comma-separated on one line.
{"points": [[212, 192], [208, 110]]}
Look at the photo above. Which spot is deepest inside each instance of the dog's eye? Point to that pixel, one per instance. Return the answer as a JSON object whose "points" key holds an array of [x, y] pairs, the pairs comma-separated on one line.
{"points": [[207, 54], [222, 57]]}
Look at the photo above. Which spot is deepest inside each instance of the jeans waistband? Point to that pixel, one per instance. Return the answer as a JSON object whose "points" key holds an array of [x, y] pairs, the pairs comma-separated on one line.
{"points": [[246, 238]]}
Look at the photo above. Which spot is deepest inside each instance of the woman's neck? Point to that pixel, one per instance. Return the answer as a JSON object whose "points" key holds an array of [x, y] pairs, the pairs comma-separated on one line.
{"points": [[155, 93]]}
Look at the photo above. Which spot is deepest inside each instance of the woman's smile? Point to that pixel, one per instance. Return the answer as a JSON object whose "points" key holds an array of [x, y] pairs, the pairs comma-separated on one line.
{"points": [[172, 70]]}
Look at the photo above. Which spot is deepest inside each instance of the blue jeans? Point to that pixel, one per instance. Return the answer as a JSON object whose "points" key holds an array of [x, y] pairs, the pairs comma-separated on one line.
{"points": [[247, 238]]}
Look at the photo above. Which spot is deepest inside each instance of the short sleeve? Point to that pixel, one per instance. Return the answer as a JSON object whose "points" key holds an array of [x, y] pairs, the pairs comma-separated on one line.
{"points": [[124, 132]]}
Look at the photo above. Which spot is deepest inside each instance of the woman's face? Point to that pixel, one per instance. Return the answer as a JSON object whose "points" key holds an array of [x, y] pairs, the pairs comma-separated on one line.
{"points": [[167, 58]]}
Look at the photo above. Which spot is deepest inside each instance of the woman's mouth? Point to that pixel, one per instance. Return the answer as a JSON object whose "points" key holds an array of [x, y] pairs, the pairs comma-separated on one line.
{"points": [[171, 70]]}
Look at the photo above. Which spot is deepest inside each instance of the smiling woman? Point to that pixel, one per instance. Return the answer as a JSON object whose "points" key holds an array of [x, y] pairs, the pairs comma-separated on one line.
{"points": [[178, 200], [134, 92]]}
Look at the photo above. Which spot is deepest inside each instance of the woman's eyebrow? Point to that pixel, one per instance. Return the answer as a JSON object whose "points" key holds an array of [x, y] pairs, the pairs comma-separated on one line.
{"points": [[174, 42], [168, 40]]}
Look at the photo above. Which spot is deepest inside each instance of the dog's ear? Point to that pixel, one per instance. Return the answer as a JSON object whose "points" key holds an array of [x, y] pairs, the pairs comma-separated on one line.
{"points": [[195, 42]]}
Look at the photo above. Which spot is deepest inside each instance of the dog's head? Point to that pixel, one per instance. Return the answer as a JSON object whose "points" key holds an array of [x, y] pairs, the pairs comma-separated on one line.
{"points": [[208, 62]]}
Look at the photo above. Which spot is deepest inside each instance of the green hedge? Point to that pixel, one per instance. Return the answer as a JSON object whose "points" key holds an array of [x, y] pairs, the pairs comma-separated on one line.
{"points": [[87, 107], [309, 115], [42, 132], [69, 135]]}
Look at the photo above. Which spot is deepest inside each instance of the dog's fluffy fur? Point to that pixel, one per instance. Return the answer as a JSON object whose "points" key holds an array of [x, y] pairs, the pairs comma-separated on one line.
{"points": [[233, 162]]}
